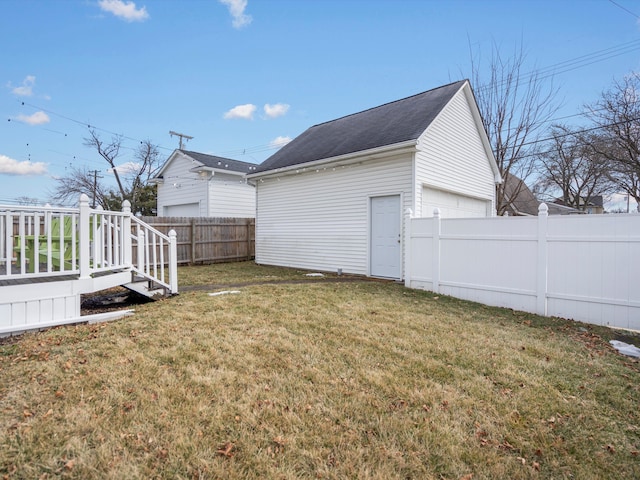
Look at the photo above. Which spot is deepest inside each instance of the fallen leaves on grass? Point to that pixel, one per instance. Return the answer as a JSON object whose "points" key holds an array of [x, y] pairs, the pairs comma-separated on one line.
{"points": [[226, 450]]}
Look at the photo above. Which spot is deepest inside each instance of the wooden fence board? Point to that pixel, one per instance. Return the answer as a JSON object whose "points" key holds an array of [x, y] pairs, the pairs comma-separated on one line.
{"points": [[202, 240]]}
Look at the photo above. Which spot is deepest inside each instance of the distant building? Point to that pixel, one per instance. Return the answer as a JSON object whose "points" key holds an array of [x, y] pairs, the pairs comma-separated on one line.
{"points": [[192, 184], [522, 201], [594, 205]]}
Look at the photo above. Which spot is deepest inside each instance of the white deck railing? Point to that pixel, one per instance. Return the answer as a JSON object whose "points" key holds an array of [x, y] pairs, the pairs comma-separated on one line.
{"points": [[38, 242]]}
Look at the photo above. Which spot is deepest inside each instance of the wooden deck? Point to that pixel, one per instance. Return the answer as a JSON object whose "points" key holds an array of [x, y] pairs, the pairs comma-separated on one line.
{"points": [[101, 250]]}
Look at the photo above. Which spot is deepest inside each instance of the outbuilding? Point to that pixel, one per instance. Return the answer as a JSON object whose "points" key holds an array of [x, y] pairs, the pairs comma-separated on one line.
{"points": [[193, 184], [334, 198]]}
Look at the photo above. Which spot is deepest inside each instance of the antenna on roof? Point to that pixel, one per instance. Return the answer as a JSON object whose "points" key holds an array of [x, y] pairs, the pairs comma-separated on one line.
{"points": [[181, 135]]}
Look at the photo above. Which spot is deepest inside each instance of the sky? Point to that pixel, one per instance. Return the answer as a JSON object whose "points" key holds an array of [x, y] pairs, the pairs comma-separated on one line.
{"points": [[242, 77]]}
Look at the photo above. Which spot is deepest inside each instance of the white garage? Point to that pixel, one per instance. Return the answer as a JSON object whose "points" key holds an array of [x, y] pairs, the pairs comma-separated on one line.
{"points": [[336, 197]]}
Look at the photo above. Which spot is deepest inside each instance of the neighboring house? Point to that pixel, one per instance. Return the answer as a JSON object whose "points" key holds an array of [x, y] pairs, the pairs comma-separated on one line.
{"points": [[192, 184], [594, 205], [334, 198], [522, 201]]}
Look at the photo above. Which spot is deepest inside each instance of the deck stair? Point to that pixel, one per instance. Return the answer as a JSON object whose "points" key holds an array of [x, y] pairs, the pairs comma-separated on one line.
{"points": [[49, 257]]}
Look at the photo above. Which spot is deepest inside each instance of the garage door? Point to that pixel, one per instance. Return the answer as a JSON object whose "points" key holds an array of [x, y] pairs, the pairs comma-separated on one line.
{"points": [[183, 210], [453, 205]]}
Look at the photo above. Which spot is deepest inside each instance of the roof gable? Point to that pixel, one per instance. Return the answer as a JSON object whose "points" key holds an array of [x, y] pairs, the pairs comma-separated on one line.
{"points": [[387, 124], [221, 163], [212, 162]]}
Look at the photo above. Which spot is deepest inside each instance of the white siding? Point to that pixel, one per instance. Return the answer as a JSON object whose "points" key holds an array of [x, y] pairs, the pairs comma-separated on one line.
{"points": [[451, 156], [181, 186], [319, 219], [231, 196]]}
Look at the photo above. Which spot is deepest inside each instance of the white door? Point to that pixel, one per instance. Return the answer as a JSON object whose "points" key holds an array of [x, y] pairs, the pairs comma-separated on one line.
{"points": [[385, 237]]}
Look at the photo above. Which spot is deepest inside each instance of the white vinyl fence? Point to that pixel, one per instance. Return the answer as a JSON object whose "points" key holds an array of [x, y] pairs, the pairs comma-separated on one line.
{"points": [[582, 267]]}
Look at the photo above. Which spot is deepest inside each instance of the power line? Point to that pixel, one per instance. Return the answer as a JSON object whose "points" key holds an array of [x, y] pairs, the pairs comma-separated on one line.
{"points": [[546, 72], [625, 9]]}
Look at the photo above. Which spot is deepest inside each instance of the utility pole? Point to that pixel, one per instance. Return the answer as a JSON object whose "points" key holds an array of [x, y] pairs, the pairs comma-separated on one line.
{"points": [[181, 135], [95, 187]]}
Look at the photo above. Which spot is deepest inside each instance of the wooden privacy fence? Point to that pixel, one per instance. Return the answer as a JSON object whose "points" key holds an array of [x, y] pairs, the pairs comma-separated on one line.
{"points": [[203, 240]]}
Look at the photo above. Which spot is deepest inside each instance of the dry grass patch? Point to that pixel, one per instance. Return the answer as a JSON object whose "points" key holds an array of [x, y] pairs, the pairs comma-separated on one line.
{"points": [[241, 273], [321, 380]]}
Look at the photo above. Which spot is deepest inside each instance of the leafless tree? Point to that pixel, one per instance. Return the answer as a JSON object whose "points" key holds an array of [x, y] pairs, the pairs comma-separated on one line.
{"points": [[617, 113], [26, 200], [76, 182], [573, 169], [131, 178], [515, 106]]}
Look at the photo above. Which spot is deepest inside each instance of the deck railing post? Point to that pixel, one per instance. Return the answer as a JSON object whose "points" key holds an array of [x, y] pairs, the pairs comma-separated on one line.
{"points": [[141, 250], [84, 229], [173, 261], [126, 234]]}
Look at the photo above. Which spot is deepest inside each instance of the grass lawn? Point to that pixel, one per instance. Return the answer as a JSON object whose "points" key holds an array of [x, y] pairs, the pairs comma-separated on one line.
{"points": [[359, 379]]}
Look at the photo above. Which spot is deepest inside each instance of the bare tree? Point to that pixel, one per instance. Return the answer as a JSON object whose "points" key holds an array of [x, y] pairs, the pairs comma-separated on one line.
{"points": [[131, 178], [617, 113], [77, 182], [573, 169], [26, 200], [515, 106]]}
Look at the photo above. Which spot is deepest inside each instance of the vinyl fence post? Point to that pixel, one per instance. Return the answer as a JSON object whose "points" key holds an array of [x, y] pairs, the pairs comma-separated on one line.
{"points": [[542, 268], [408, 247], [436, 250]]}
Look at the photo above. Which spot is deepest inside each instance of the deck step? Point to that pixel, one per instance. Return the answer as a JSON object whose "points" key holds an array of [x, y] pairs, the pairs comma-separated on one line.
{"points": [[147, 288]]}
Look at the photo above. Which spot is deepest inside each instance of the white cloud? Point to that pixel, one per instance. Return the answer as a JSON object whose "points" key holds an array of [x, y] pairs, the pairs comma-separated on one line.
{"points": [[236, 9], [126, 168], [38, 118], [10, 166], [26, 89], [245, 111], [124, 10], [279, 142], [277, 110]]}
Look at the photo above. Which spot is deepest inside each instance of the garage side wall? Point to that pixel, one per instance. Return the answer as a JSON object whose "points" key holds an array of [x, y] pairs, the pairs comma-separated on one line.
{"points": [[452, 163], [182, 193], [231, 196], [319, 219]]}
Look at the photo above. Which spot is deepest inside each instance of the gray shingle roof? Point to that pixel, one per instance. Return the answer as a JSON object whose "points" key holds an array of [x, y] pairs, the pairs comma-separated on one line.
{"points": [[387, 124], [221, 163]]}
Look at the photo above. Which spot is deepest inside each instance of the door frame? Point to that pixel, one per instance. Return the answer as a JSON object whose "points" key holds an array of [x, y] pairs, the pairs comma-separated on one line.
{"points": [[370, 199]]}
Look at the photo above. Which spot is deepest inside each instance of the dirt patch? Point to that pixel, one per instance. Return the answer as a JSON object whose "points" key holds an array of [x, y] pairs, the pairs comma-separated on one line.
{"points": [[117, 298]]}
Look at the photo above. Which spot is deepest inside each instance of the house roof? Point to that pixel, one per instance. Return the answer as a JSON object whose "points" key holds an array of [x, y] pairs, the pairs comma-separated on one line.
{"points": [[520, 197], [595, 201], [387, 124], [220, 163], [209, 162]]}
